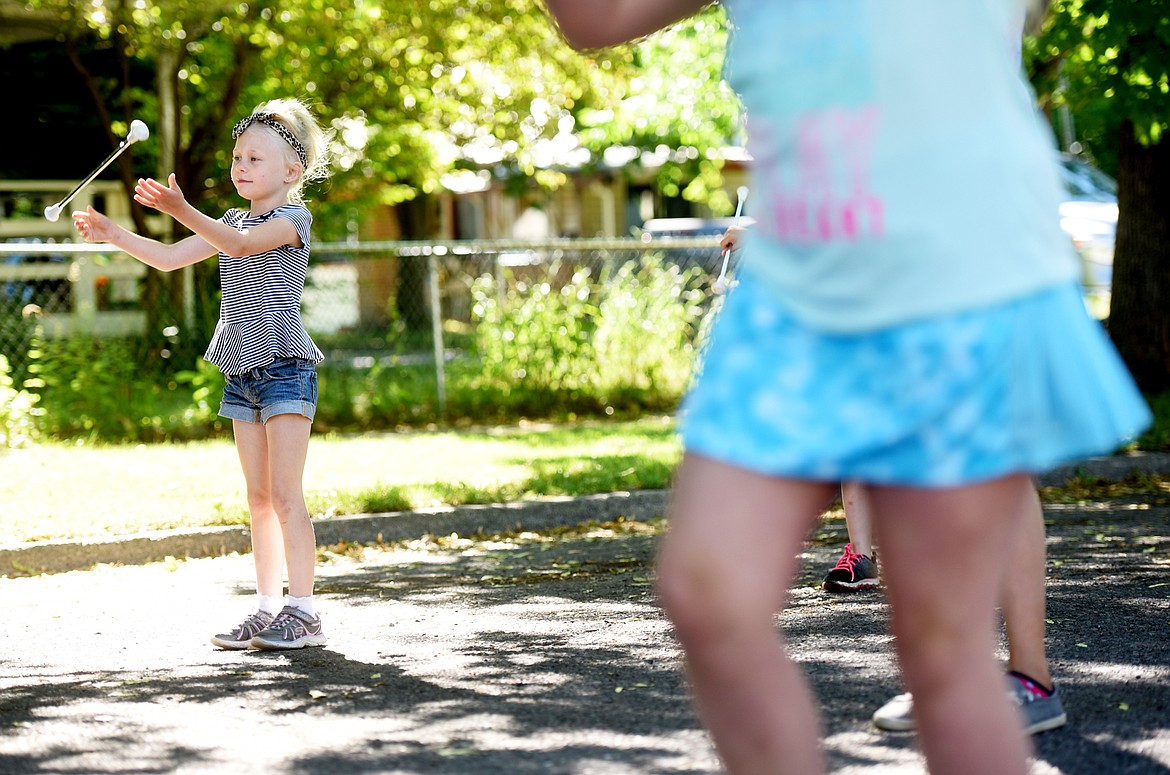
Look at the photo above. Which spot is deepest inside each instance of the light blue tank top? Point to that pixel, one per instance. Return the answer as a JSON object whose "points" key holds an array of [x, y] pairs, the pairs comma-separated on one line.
{"points": [[901, 169]]}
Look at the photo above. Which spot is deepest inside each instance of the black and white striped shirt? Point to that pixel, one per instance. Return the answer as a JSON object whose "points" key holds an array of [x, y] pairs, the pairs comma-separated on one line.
{"points": [[260, 311]]}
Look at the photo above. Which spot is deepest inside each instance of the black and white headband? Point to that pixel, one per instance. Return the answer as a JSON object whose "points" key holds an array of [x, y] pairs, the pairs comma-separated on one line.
{"points": [[269, 119]]}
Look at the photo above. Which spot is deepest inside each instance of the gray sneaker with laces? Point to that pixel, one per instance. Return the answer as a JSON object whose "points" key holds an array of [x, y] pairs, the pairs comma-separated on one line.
{"points": [[1041, 713], [241, 636], [291, 629]]}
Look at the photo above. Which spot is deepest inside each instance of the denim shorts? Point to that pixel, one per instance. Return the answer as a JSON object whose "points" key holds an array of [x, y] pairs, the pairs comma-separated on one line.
{"points": [[285, 386]]}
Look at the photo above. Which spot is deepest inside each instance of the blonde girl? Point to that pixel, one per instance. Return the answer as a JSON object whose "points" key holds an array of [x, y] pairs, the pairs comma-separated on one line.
{"points": [[260, 345]]}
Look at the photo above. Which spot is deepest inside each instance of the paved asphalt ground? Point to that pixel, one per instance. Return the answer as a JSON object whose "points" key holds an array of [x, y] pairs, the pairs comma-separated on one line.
{"points": [[543, 654]]}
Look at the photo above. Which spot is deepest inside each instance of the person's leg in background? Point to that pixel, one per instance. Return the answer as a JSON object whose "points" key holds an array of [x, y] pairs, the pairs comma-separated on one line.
{"points": [[857, 569], [1024, 608]]}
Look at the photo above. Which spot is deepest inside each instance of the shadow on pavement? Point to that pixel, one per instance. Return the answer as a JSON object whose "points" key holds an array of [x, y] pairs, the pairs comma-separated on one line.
{"points": [[538, 655]]}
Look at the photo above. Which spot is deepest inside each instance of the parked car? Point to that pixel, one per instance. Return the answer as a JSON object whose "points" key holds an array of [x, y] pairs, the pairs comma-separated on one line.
{"points": [[50, 294], [664, 231], [1089, 217], [662, 228]]}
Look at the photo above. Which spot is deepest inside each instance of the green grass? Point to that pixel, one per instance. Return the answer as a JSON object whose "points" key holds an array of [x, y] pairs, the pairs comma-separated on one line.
{"points": [[1157, 438], [56, 491]]}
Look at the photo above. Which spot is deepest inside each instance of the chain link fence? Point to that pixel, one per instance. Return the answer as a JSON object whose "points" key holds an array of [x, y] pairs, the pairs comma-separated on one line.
{"points": [[364, 303]]}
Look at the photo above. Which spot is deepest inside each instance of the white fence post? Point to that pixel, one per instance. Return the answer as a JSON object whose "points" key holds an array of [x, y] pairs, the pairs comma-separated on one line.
{"points": [[83, 277], [437, 330]]}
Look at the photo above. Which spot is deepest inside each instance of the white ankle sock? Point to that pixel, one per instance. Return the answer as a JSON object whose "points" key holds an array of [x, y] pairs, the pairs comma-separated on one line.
{"points": [[303, 603], [270, 604]]}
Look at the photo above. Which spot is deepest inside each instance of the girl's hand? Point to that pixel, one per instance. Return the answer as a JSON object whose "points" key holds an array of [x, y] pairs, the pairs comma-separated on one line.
{"points": [[93, 226], [166, 199], [731, 238]]}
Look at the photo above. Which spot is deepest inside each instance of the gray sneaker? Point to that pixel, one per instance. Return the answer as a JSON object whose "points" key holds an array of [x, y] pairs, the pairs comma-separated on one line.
{"points": [[291, 629], [1040, 713], [241, 636]]}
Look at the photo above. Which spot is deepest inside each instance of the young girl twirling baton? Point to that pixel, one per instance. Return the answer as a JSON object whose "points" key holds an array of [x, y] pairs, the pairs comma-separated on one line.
{"points": [[260, 345]]}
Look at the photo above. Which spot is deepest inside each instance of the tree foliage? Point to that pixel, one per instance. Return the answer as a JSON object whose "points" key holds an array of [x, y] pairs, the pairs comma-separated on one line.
{"points": [[394, 79], [1107, 61], [414, 90], [677, 109]]}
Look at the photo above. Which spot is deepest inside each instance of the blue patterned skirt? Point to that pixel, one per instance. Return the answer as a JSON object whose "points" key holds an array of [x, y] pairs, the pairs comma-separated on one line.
{"points": [[1019, 387]]}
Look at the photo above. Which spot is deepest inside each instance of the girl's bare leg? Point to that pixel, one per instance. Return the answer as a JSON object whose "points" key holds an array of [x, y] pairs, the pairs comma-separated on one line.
{"points": [[858, 517], [945, 632], [723, 572], [267, 537], [288, 446], [1022, 599]]}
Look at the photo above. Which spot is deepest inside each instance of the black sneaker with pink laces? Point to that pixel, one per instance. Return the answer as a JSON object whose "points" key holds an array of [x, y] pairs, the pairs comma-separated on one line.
{"points": [[853, 572]]}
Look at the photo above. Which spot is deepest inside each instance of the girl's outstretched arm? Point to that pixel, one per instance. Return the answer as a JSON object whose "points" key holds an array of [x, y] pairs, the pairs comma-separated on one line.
{"points": [[95, 227], [168, 198], [590, 24]]}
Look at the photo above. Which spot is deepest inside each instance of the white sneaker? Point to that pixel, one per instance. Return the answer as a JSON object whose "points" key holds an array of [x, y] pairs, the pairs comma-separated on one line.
{"points": [[897, 715]]}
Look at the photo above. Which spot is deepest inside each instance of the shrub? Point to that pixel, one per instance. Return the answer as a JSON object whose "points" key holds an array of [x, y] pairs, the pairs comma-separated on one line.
{"points": [[1157, 438], [380, 396], [539, 339], [648, 321], [105, 389], [562, 344], [17, 425], [584, 345]]}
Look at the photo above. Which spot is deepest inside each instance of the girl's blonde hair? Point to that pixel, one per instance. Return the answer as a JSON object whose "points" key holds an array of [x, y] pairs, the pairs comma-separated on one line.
{"points": [[295, 116]]}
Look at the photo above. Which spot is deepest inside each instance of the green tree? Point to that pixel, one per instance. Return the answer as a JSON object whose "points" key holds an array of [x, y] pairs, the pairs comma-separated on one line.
{"points": [[1109, 61], [676, 108], [414, 90], [408, 86]]}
